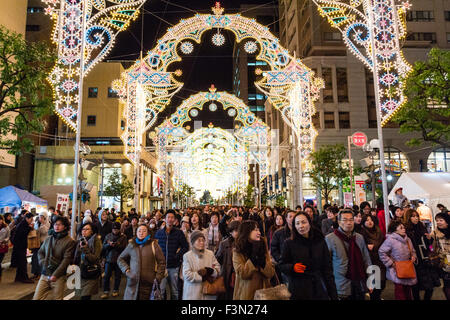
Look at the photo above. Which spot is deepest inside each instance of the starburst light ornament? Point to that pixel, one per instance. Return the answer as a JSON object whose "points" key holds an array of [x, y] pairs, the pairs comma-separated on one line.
{"points": [[218, 39], [250, 47], [186, 47]]}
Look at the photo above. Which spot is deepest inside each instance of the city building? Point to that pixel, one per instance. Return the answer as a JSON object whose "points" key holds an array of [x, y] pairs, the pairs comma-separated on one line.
{"points": [[347, 104]]}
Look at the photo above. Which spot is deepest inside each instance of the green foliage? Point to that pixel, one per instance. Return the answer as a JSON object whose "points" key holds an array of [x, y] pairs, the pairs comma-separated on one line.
{"points": [[121, 189], [327, 168], [206, 198], [249, 200], [427, 110], [25, 96], [280, 201]]}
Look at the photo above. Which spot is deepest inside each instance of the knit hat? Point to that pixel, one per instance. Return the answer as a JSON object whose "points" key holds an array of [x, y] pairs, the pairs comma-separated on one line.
{"points": [[185, 219], [44, 214], [87, 219], [117, 225], [87, 213], [100, 215], [195, 235]]}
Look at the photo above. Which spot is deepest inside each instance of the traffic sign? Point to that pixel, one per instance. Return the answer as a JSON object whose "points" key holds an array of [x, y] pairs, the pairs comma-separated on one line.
{"points": [[359, 139]]}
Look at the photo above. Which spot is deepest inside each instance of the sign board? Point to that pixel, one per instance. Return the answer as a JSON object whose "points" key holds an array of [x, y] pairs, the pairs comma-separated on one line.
{"points": [[348, 201], [360, 193], [359, 139], [62, 203]]}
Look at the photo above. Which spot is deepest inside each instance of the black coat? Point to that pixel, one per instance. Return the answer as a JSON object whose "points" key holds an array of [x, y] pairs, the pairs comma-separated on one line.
{"points": [[224, 256], [174, 246], [317, 282], [104, 230], [111, 253], [277, 242], [20, 238]]}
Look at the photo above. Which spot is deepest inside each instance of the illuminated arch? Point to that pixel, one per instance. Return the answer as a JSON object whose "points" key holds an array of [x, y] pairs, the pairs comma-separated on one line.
{"points": [[285, 72], [353, 18], [254, 133], [104, 20]]}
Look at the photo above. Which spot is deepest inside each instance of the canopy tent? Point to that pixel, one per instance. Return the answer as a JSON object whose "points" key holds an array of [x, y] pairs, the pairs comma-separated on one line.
{"points": [[12, 198], [431, 187]]}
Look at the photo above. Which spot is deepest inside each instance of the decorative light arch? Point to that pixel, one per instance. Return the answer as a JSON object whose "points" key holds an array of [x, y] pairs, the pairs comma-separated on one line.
{"points": [[104, 20], [254, 133], [357, 20], [285, 72], [211, 159]]}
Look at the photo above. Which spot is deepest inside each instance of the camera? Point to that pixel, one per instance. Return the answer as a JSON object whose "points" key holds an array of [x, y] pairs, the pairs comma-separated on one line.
{"points": [[83, 241]]}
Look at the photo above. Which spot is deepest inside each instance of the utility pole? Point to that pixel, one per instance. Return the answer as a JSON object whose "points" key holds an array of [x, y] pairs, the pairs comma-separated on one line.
{"points": [[102, 188]]}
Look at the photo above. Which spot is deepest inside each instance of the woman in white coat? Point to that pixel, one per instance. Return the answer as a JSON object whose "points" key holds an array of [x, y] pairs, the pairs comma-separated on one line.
{"points": [[198, 265]]}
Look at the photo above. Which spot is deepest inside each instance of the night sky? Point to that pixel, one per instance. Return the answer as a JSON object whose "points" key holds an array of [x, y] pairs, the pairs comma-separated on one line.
{"points": [[206, 65]]}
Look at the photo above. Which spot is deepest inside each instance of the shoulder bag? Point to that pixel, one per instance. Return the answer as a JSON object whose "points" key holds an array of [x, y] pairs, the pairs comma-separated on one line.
{"points": [[156, 291], [215, 287], [405, 269], [33, 240], [279, 292]]}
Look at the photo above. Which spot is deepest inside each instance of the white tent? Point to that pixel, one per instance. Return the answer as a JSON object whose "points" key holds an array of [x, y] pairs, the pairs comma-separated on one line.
{"points": [[431, 187]]}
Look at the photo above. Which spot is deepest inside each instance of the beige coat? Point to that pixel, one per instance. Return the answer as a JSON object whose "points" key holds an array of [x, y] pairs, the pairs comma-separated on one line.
{"points": [[249, 278]]}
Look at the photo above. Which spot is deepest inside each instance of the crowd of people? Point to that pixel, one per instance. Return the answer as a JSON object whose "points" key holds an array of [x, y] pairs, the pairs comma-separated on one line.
{"points": [[230, 252]]}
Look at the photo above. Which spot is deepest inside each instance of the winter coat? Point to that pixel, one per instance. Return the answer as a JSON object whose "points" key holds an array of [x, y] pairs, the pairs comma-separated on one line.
{"points": [[442, 245], [224, 256], [249, 278], [193, 284], [174, 246], [42, 230], [56, 252], [328, 226], [427, 275], [90, 255], [395, 248], [129, 233], [338, 250], [104, 229], [20, 238], [111, 253], [277, 241], [375, 237], [4, 235], [216, 244], [133, 258], [317, 282]]}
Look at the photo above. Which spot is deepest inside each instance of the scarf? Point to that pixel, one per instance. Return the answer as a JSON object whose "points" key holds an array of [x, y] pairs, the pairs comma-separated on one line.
{"points": [[58, 235], [446, 232], [198, 252], [355, 270], [213, 235], [143, 241]]}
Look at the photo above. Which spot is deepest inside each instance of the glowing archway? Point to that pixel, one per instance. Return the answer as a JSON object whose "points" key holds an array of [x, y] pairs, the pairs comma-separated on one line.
{"points": [[285, 72], [254, 133]]}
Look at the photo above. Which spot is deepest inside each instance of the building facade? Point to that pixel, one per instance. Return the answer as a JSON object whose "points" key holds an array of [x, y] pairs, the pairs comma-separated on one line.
{"points": [[347, 104]]}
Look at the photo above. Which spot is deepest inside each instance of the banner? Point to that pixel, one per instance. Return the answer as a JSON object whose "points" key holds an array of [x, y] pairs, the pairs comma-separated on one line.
{"points": [[276, 180], [62, 203], [360, 193], [270, 183], [348, 202], [283, 178]]}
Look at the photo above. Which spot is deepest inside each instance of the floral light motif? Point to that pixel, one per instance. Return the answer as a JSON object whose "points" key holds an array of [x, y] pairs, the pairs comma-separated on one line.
{"points": [[104, 20], [385, 20], [218, 39], [284, 70]]}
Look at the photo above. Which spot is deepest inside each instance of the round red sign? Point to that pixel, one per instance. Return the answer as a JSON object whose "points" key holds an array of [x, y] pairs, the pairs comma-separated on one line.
{"points": [[359, 139]]}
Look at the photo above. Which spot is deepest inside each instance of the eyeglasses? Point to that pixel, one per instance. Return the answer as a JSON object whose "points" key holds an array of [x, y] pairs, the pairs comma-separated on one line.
{"points": [[86, 229], [347, 220]]}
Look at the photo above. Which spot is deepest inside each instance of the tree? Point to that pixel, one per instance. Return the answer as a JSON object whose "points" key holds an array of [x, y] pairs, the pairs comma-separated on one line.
{"points": [[206, 198], [25, 96], [280, 201], [249, 199], [121, 189], [327, 168], [427, 110]]}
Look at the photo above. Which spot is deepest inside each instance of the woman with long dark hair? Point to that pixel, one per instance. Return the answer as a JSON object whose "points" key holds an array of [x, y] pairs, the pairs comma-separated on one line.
{"points": [[251, 262], [441, 238], [306, 260], [280, 222], [427, 275]]}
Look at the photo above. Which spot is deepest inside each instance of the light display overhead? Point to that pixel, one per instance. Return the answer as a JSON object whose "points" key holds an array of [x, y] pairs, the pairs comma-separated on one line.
{"points": [[283, 71], [212, 159], [254, 134], [250, 47], [218, 39], [357, 20], [104, 20], [186, 47]]}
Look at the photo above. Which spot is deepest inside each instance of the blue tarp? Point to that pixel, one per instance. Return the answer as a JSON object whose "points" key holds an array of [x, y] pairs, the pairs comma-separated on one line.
{"points": [[13, 197]]}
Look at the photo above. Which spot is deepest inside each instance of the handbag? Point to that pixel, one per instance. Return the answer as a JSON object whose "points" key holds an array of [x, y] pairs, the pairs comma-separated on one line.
{"points": [[166, 273], [33, 240], [215, 287], [279, 292], [4, 247], [90, 271], [156, 290], [405, 269]]}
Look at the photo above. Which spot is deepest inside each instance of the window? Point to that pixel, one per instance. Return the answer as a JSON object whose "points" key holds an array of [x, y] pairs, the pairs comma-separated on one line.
{"points": [[328, 91], [422, 36], [92, 92], [332, 36], [342, 88], [91, 120], [329, 120], [395, 161], [112, 93], [316, 120], [35, 9], [447, 15], [439, 160], [344, 120], [420, 16], [33, 27]]}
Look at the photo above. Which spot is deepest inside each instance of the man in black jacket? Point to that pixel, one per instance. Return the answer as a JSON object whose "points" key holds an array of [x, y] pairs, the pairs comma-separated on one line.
{"points": [[20, 242], [174, 245], [278, 239]]}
